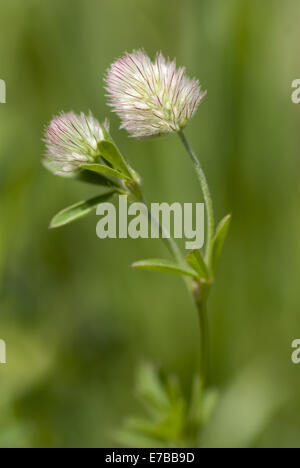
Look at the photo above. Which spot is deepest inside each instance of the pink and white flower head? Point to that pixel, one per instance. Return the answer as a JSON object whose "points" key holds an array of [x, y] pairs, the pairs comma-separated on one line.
{"points": [[72, 140], [151, 98]]}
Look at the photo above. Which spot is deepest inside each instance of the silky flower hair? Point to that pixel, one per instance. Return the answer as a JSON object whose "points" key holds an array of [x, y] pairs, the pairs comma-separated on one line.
{"points": [[72, 140], [151, 98]]}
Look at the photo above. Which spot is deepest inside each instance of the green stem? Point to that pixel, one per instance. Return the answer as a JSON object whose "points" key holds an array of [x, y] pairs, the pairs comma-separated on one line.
{"points": [[173, 249], [136, 193], [204, 339], [207, 196], [201, 296], [167, 239]]}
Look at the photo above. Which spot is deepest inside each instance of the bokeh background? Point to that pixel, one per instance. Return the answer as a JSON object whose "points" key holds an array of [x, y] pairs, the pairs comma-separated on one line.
{"points": [[76, 319]]}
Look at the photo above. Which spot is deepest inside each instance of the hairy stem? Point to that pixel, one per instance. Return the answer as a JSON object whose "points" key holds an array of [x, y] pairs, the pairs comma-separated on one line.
{"points": [[207, 197], [201, 296]]}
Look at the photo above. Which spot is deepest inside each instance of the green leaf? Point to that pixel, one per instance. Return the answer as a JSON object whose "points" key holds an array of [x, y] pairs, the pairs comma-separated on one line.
{"points": [[94, 179], [111, 154], [219, 240], [104, 170], [77, 211], [196, 261], [164, 266], [169, 427], [80, 175], [165, 404], [150, 389]]}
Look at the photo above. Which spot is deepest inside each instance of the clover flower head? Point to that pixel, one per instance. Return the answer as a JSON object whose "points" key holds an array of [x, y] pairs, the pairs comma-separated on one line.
{"points": [[151, 98], [72, 140]]}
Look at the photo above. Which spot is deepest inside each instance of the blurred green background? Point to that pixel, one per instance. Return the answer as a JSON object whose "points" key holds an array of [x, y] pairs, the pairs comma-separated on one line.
{"points": [[76, 319]]}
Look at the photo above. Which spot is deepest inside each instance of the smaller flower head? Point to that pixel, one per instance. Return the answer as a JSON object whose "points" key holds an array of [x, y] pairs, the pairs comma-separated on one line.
{"points": [[151, 98], [72, 140]]}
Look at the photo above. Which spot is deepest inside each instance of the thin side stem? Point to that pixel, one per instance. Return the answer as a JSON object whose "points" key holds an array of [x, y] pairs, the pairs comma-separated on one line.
{"points": [[206, 194], [167, 239], [170, 244], [165, 235]]}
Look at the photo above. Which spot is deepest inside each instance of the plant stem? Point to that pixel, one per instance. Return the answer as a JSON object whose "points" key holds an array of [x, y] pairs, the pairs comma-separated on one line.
{"points": [[171, 245], [200, 295], [207, 197], [204, 339], [167, 239], [164, 235]]}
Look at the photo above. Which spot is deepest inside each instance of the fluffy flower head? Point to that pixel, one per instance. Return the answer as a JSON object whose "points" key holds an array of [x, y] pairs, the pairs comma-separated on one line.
{"points": [[151, 98], [72, 140]]}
